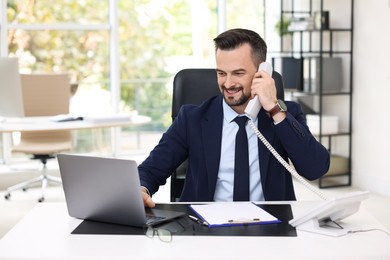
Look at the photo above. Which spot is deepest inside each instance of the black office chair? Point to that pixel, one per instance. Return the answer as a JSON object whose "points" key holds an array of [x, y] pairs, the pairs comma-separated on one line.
{"points": [[193, 86]]}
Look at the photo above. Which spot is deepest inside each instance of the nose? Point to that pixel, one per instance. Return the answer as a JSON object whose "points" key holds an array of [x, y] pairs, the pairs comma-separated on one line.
{"points": [[229, 82]]}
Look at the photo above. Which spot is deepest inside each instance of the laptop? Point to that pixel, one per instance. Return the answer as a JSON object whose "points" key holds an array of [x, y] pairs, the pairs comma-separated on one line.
{"points": [[107, 190]]}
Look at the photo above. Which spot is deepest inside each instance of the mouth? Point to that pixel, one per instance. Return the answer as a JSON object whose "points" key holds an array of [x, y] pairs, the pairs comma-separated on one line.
{"points": [[232, 91]]}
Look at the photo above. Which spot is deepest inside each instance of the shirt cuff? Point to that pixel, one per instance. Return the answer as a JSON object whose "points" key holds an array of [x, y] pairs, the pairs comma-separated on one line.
{"points": [[277, 122], [146, 190]]}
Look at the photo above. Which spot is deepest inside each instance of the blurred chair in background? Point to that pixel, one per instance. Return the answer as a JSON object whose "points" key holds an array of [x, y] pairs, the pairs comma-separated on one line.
{"points": [[43, 95]]}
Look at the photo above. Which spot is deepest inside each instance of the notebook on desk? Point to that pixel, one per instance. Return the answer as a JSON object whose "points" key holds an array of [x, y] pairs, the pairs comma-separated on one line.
{"points": [[107, 190]]}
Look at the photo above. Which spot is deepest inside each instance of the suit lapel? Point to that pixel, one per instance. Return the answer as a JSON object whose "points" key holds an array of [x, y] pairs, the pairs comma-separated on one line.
{"points": [[212, 138]]}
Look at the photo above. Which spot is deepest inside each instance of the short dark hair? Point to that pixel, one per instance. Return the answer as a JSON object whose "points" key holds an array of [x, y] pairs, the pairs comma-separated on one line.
{"points": [[234, 38]]}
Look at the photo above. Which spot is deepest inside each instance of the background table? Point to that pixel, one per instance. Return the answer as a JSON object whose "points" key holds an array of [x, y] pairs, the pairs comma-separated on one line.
{"points": [[34, 124]]}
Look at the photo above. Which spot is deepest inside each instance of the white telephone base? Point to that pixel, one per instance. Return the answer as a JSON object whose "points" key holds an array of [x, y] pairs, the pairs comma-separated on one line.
{"points": [[331, 229]]}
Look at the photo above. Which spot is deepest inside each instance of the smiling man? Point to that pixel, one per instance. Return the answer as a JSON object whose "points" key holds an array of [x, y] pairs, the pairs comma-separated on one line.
{"points": [[207, 135]]}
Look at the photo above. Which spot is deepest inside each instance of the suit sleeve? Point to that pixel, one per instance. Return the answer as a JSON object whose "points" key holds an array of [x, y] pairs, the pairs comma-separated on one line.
{"points": [[170, 152], [309, 157]]}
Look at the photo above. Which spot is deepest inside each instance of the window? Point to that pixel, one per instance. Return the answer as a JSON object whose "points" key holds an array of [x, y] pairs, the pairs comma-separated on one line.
{"points": [[144, 42]]}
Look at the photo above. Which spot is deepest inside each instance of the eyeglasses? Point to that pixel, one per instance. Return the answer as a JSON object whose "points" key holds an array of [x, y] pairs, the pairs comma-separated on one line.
{"points": [[166, 235], [163, 234]]}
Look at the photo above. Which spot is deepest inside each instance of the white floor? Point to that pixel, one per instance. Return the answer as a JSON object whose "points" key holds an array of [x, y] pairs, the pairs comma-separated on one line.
{"points": [[20, 203]]}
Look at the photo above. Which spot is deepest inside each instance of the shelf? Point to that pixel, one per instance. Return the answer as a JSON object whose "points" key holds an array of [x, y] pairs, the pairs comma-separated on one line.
{"points": [[311, 53], [344, 133], [319, 43], [295, 12], [307, 93], [318, 30]]}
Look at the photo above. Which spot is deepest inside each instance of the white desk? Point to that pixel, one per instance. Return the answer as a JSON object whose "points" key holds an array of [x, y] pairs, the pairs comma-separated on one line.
{"points": [[45, 234], [34, 124]]}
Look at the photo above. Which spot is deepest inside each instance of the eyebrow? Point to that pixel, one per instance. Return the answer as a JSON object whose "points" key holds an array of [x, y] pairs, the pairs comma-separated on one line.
{"points": [[234, 71]]}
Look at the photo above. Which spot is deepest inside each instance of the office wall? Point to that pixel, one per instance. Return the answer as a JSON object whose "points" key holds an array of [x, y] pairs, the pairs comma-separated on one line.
{"points": [[371, 124]]}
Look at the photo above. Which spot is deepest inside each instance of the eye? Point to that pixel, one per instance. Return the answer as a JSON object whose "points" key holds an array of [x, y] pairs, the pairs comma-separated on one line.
{"points": [[221, 74]]}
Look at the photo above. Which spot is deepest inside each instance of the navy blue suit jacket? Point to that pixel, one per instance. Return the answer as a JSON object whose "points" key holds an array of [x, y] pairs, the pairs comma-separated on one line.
{"points": [[196, 134]]}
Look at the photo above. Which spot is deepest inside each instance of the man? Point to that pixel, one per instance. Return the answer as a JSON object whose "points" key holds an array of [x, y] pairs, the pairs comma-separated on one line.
{"points": [[205, 134]]}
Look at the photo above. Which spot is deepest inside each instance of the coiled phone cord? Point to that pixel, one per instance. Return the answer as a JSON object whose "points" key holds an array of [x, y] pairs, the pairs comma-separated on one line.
{"points": [[284, 163]]}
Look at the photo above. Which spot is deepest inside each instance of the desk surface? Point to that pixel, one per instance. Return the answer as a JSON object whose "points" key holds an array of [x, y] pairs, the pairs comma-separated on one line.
{"points": [[45, 234], [45, 124]]}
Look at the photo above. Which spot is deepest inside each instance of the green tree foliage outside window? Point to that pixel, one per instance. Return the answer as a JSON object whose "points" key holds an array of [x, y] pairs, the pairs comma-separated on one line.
{"points": [[149, 31]]}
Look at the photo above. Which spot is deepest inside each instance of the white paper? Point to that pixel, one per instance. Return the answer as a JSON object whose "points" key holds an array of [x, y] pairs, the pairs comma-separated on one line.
{"points": [[230, 213]]}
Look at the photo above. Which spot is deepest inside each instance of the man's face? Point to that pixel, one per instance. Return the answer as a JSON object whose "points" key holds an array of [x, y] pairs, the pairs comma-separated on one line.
{"points": [[235, 71]]}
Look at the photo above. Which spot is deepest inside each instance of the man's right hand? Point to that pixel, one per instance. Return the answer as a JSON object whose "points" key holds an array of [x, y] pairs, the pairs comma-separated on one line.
{"points": [[148, 202]]}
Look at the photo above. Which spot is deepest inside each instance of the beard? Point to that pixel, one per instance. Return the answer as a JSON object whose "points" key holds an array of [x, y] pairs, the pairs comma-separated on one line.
{"points": [[231, 101]]}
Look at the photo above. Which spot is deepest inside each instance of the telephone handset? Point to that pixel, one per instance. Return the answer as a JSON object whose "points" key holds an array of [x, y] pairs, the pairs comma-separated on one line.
{"points": [[254, 106], [252, 109]]}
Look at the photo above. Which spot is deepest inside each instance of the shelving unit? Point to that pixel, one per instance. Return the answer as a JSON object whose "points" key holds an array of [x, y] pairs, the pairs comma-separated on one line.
{"points": [[319, 55]]}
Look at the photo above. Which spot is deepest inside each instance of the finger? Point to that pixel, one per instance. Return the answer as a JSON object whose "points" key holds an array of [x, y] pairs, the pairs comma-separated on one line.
{"points": [[148, 202], [262, 74]]}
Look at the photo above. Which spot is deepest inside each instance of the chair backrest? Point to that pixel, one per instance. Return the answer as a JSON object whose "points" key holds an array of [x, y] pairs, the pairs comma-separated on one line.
{"points": [[193, 86], [45, 95]]}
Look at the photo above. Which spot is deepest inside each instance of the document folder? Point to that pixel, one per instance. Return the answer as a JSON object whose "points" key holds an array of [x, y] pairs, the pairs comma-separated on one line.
{"points": [[222, 214]]}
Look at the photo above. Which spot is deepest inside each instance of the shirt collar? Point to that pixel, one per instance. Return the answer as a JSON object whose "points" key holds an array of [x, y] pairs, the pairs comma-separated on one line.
{"points": [[228, 113]]}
